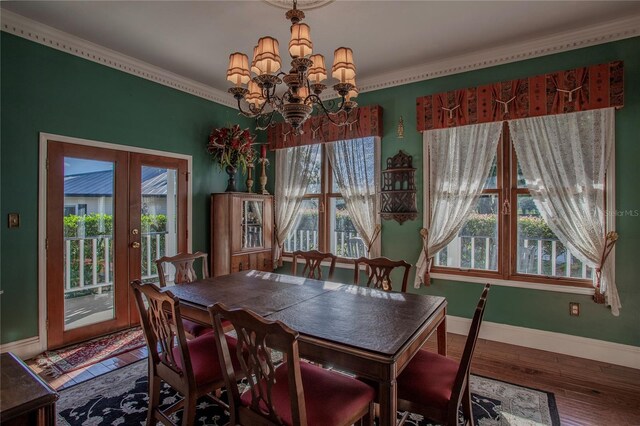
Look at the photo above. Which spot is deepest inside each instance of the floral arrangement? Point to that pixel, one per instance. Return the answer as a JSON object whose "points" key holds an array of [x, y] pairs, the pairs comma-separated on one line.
{"points": [[231, 147]]}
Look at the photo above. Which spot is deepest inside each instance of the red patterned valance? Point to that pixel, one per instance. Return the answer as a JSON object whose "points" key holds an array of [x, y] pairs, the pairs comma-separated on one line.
{"points": [[362, 122], [592, 87]]}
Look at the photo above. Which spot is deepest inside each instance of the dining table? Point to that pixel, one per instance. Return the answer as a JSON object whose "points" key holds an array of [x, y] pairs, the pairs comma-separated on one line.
{"points": [[366, 332]]}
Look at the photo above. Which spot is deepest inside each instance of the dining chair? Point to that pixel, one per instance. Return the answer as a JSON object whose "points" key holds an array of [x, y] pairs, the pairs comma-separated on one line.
{"points": [[189, 366], [379, 272], [435, 386], [185, 273], [183, 264], [313, 263], [293, 393]]}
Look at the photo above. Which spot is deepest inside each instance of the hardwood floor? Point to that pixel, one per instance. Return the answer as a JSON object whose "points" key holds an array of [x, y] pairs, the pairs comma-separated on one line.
{"points": [[587, 392]]}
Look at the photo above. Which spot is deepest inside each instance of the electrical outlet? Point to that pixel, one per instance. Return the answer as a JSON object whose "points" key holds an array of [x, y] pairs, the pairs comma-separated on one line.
{"points": [[574, 309], [14, 220]]}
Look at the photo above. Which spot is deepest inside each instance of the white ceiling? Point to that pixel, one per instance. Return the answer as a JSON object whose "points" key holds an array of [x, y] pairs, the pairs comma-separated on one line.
{"points": [[194, 39]]}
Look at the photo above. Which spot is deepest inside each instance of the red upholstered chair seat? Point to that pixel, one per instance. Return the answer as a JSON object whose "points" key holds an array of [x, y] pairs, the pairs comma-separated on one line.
{"points": [[330, 398], [428, 377], [195, 329], [204, 358]]}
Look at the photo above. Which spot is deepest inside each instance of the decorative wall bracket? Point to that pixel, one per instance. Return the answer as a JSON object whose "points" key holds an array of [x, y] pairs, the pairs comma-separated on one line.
{"points": [[398, 195]]}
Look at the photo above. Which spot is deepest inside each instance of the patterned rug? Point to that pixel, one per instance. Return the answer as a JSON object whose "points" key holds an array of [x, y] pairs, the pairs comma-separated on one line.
{"points": [[120, 398], [81, 355]]}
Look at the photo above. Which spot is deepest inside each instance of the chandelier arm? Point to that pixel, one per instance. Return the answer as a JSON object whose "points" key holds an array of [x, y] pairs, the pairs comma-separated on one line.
{"points": [[316, 99], [250, 114], [268, 123], [257, 111]]}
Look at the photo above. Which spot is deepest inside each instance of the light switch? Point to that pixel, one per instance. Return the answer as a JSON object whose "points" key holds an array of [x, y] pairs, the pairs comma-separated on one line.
{"points": [[14, 220]]}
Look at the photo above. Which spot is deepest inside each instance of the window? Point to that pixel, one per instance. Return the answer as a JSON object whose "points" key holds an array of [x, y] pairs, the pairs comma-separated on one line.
{"points": [[505, 236], [323, 222]]}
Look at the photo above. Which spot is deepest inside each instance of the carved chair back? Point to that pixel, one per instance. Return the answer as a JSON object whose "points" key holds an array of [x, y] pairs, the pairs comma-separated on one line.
{"points": [[163, 330], [462, 377], [257, 337], [313, 263], [379, 272], [183, 264]]}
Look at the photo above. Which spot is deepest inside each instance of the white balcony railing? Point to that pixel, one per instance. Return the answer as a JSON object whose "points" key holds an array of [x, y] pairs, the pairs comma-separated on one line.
{"points": [[537, 256], [344, 243], [88, 262]]}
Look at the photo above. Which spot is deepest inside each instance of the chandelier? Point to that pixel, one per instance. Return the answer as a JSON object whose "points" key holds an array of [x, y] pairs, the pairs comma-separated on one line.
{"points": [[304, 82]]}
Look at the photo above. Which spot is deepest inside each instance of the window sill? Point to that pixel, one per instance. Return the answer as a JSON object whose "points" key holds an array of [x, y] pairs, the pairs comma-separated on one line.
{"points": [[558, 288]]}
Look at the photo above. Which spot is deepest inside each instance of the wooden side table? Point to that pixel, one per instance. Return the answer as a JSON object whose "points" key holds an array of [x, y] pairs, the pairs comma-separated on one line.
{"points": [[25, 399]]}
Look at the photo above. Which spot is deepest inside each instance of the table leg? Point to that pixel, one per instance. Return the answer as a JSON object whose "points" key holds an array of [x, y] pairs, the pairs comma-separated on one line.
{"points": [[388, 399], [442, 337]]}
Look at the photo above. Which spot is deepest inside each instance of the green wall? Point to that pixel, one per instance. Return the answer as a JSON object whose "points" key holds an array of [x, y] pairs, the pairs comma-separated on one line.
{"points": [[523, 307], [45, 90]]}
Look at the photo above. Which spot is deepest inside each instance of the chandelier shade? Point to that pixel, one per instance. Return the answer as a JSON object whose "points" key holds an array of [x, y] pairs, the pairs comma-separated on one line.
{"points": [[238, 71], [300, 44], [267, 56], [303, 94], [353, 93], [304, 82], [254, 96], [343, 67], [318, 71]]}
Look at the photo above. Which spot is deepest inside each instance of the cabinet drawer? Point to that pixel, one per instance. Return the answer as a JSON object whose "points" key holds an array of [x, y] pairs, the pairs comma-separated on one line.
{"points": [[240, 263], [265, 261]]}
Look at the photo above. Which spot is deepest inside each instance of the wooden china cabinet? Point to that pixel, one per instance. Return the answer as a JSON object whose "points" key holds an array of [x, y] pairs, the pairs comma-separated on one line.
{"points": [[241, 232]]}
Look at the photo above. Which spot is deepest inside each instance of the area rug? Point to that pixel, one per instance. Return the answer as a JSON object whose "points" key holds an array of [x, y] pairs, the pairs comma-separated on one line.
{"points": [[120, 398], [58, 362]]}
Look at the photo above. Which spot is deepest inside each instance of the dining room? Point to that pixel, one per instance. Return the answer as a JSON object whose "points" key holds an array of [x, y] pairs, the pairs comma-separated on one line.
{"points": [[319, 212]]}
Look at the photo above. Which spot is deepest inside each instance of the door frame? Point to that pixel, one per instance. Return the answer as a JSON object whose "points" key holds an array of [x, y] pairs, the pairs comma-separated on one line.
{"points": [[41, 343]]}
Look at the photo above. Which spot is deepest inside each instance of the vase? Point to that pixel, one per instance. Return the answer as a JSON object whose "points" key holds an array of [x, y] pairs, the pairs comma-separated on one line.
{"points": [[231, 183]]}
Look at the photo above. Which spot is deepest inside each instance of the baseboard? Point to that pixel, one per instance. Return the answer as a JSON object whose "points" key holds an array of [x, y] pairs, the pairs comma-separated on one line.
{"points": [[24, 349], [582, 347]]}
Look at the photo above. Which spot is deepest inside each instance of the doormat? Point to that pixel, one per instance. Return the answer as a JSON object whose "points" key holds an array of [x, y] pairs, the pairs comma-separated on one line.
{"points": [[61, 361], [120, 397]]}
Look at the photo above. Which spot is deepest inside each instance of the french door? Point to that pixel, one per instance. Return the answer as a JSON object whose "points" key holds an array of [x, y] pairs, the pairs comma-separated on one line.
{"points": [[110, 214]]}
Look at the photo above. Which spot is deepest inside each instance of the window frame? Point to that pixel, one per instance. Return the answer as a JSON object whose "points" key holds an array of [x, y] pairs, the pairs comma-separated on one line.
{"points": [[507, 182], [324, 198]]}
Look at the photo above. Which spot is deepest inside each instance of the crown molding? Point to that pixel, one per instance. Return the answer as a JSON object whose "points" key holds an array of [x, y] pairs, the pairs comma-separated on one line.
{"points": [[40, 33], [560, 42]]}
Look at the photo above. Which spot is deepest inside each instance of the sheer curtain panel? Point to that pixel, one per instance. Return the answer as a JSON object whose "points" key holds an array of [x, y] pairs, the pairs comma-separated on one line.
{"points": [[564, 160], [358, 180], [293, 170], [457, 163]]}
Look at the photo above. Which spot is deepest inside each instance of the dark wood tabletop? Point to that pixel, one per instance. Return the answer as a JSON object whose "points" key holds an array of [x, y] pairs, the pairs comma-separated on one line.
{"points": [[23, 394], [369, 332]]}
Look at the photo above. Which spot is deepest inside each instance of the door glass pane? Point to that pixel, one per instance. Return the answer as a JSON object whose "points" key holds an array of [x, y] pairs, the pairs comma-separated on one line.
{"points": [[88, 242], [304, 233], [476, 246], [252, 224], [158, 221], [540, 252], [345, 240]]}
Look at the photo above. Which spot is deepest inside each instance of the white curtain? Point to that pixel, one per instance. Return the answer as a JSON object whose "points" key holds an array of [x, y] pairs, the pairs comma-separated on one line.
{"points": [[355, 164], [457, 163], [564, 160], [294, 167]]}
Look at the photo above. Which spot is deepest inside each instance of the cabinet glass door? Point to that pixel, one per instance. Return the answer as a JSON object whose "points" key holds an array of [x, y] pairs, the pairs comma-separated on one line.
{"points": [[252, 225]]}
